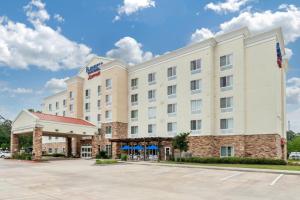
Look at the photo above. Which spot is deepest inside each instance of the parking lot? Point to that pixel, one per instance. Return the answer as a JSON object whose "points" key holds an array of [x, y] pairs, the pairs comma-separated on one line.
{"points": [[81, 179]]}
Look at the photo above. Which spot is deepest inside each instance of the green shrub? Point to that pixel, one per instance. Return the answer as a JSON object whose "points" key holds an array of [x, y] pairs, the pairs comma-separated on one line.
{"points": [[102, 155], [124, 157], [234, 160], [22, 156], [55, 155], [105, 162]]}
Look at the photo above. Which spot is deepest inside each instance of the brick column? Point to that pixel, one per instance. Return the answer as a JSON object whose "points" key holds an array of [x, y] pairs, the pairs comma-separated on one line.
{"points": [[37, 143], [68, 146], [76, 146], [14, 143], [94, 146]]}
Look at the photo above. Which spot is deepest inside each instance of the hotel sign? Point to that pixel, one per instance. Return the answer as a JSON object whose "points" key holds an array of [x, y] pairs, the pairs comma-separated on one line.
{"points": [[94, 70]]}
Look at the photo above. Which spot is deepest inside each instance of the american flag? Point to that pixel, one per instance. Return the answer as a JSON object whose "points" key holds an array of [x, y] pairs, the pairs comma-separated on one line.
{"points": [[279, 56]]}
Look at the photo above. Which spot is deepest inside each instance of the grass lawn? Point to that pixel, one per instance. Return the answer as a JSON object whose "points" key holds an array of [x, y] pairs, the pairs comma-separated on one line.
{"points": [[253, 166], [105, 161]]}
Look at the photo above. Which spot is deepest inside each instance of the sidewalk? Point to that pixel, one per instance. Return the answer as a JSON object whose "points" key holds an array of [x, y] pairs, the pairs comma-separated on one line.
{"points": [[286, 172]]}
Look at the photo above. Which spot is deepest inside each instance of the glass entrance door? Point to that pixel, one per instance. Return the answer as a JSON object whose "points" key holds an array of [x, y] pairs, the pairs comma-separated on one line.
{"points": [[86, 152]]}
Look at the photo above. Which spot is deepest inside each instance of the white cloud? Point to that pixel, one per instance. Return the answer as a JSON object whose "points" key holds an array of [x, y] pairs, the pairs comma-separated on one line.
{"points": [[226, 6], [16, 90], [287, 17], [42, 46], [56, 85], [293, 91], [130, 51], [58, 17], [288, 53], [131, 6], [201, 34]]}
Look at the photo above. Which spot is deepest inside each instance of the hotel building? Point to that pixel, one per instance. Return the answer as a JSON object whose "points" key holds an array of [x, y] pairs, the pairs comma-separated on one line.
{"points": [[227, 91]]}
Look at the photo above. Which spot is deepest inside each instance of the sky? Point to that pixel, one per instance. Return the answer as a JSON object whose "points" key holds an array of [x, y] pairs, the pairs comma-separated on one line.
{"points": [[44, 42]]}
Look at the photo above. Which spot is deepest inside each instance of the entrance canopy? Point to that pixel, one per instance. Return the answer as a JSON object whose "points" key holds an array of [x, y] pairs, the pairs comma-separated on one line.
{"points": [[27, 121]]}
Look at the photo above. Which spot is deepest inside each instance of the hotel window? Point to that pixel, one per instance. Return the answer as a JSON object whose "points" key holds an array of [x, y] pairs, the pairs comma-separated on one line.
{"points": [[226, 151], [226, 124], [50, 150], [171, 73], [108, 99], [172, 127], [134, 130], [134, 99], [108, 130], [64, 103], [172, 109], [196, 106], [71, 95], [87, 107], [50, 137], [196, 126], [134, 115], [151, 95], [226, 104], [50, 107], [56, 105], [64, 113], [87, 118], [151, 78], [226, 62], [99, 90], [108, 114], [71, 107], [171, 91], [98, 103], [196, 86], [151, 112], [87, 94], [99, 117], [226, 83], [151, 129], [134, 83], [196, 66], [108, 83]]}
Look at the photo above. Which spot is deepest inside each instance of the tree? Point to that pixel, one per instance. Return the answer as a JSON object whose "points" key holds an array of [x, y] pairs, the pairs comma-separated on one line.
{"points": [[294, 145], [5, 128], [290, 135], [181, 142]]}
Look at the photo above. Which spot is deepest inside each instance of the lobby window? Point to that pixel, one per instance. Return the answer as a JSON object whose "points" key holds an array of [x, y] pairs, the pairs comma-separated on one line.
{"points": [[108, 130], [134, 83], [134, 130], [99, 90], [196, 126], [108, 99], [196, 106], [71, 95], [108, 150], [171, 110], [226, 104], [195, 86], [196, 66], [134, 115], [50, 137], [98, 117], [87, 93], [108, 115], [151, 95], [64, 103], [226, 124], [151, 129], [50, 107], [71, 107], [134, 99], [172, 127], [171, 91], [57, 105], [64, 113], [98, 103], [50, 150], [171, 73], [226, 62], [87, 107], [108, 84], [151, 112], [226, 83], [226, 151], [152, 78]]}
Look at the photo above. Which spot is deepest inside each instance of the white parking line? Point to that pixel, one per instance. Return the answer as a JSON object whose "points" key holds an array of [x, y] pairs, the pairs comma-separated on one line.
{"points": [[231, 176], [276, 179]]}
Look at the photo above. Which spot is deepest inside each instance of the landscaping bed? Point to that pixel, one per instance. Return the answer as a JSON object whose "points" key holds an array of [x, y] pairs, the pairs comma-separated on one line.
{"points": [[105, 161]]}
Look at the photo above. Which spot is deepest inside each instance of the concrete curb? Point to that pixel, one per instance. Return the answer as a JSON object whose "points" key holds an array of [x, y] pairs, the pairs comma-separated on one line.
{"points": [[285, 172]]}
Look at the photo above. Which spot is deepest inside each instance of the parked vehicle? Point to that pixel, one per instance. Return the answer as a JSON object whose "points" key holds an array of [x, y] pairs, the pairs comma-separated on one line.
{"points": [[294, 156], [5, 154]]}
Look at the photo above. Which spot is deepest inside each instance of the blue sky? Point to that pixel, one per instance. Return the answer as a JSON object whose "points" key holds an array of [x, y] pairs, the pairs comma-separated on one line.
{"points": [[44, 42]]}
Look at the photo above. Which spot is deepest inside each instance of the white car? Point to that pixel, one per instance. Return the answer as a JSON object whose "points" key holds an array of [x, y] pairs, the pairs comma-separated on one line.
{"points": [[5, 154], [294, 156]]}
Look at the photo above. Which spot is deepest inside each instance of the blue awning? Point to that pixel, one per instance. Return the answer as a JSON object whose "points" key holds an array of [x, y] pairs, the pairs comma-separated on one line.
{"points": [[152, 147], [138, 147], [126, 147]]}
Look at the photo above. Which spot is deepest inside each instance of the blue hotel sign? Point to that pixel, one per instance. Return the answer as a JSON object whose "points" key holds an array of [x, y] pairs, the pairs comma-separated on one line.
{"points": [[94, 70]]}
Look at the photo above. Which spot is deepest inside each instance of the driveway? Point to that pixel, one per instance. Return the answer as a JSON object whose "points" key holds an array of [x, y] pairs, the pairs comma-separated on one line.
{"points": [[81, 179]]}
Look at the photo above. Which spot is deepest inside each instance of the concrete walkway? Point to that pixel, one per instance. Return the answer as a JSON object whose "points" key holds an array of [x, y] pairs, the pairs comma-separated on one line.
{"points": [[286, 172]]}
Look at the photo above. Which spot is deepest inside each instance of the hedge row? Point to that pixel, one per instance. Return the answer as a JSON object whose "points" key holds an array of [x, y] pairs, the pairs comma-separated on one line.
{"points": [[233, 160], [22, 156]]}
